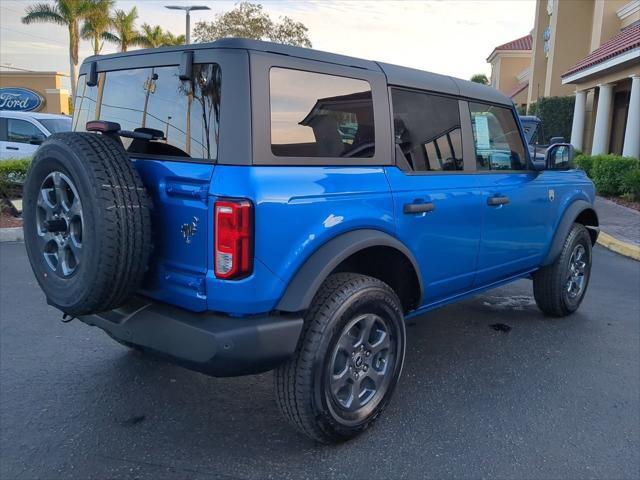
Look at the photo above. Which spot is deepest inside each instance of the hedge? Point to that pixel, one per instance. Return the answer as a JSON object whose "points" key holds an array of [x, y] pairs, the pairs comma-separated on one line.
{"points": [[631, 184], [12, 175], [612, 175], [556, 114]]}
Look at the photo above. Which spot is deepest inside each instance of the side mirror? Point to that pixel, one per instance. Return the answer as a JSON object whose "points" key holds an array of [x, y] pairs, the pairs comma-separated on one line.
{"points": [[559, 156], [36, 140], [555, 140]]}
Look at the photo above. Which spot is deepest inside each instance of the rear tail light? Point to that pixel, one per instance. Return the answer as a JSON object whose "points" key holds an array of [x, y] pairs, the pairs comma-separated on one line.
{"points": [[233, 239]]}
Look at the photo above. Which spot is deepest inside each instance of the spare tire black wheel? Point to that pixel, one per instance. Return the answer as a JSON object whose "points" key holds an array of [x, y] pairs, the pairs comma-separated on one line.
{"points": [[87, 223]]}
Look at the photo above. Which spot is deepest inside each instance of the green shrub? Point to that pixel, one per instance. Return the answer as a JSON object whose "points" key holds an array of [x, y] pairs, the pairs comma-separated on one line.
{"points": [[583, 162], [609, 171], [12, 176], [631, 184], [556, 114]]}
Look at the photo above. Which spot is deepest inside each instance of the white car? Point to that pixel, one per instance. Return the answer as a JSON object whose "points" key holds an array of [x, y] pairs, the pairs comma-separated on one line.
{"points": [[22, 132]]}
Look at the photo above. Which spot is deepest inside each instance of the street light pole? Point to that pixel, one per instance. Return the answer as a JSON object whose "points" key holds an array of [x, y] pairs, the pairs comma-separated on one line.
{"points": [[188, 28], [187, 9]]}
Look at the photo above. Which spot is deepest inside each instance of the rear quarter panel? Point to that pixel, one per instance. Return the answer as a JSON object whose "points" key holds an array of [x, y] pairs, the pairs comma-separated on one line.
{"points": [[297, 210]]}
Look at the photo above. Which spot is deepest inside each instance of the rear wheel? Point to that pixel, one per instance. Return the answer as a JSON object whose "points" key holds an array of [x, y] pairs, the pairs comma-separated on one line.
{"points": [[348, 359], [559, 288]]}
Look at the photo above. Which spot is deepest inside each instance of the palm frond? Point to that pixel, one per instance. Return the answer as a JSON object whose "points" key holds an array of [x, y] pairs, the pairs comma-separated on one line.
{"points": [[43, 13], [109, 37], [86, 31]]}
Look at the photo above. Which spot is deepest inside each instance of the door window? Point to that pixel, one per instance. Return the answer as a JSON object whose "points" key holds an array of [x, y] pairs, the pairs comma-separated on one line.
{"points": [[497, 138], [319, 115], [184, 115], [21, 131], [427, 131]]}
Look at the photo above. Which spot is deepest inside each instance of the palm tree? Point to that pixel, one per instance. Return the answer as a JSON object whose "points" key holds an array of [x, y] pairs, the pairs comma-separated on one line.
{"points": [[153, 37], [67, 13], [124, 27], [97, 25], [171, 39], [480, 78]]}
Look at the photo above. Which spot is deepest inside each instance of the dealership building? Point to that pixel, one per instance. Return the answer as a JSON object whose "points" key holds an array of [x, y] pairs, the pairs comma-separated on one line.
{"points": [[589, 49], [34, 91]]}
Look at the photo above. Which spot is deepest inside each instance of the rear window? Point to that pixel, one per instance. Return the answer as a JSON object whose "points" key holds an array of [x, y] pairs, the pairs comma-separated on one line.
{"points": [[320, 115], [186, 114], [55, 125]]}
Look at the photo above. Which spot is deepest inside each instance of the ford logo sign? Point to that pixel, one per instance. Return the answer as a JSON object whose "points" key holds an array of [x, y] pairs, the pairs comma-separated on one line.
{"points": [[19, 99]]}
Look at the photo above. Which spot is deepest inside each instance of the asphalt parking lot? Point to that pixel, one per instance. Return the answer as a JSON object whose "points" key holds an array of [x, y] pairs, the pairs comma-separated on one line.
{"points": [[548, 399]]}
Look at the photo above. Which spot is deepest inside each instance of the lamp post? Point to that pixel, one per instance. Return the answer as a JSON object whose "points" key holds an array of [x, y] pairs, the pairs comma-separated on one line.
{"points": [[187, 9]]}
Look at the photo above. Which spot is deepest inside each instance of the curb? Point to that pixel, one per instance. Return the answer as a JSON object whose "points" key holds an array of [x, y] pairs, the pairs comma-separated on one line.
{"points": [[11, 234], [618, 246]]}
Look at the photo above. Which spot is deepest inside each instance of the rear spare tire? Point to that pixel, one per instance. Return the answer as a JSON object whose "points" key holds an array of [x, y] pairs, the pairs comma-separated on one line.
{"points": [[87, 224]]}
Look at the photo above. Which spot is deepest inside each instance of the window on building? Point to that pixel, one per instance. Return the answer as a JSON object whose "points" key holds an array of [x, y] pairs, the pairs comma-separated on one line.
{"points": [[184, 114], [21, 131], [427, 131], [497, 138], [318, 115]]}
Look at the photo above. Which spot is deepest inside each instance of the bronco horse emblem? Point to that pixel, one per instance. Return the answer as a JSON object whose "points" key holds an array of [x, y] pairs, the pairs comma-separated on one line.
{"points": [[189, 230]]}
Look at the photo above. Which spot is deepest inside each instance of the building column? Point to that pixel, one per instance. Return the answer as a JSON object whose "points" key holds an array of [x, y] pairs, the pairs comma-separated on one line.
{"points": [[602, 129], [577, 129], [631, 146]]}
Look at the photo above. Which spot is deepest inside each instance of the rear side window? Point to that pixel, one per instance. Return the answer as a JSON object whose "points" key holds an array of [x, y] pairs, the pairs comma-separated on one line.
{"points": [[427, 131], [497, 138], [186, 114], [319, 115], [55, 125]]}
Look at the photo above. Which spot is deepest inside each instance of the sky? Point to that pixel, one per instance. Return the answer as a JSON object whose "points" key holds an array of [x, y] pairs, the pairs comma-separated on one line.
{"points": [[452, 37]]}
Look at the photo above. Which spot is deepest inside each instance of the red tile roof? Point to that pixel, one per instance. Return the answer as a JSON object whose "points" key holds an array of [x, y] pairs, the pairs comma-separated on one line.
{"points": [[518, 89], [626, 40], [522, 43]]}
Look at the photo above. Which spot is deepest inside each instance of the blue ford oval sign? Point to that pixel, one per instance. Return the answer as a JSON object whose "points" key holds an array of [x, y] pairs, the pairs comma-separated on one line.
{"points": [[19, 99]]}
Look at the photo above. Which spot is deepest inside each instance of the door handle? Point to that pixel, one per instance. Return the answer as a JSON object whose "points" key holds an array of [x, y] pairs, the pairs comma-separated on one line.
{"points": [[410, 208], [497, 201], [13, 148]]}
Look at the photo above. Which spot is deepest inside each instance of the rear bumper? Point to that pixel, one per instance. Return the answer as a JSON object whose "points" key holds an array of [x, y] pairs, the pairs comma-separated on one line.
{"points": [[210, 343]]}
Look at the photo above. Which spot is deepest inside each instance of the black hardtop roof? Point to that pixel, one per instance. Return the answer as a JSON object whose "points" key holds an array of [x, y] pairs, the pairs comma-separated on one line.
{"points": [[396, 75]]}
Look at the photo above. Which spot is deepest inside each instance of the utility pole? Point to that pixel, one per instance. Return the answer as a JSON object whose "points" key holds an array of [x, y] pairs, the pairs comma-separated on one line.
{"points": [[187, 9]]}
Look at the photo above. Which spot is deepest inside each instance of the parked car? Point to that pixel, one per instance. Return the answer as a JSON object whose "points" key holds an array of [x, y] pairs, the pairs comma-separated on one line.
{"points": [[534, 134], [21, 133], [209, 208]]}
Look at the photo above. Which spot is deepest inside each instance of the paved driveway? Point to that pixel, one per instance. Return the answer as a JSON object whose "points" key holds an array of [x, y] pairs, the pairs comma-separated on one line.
{"points": [[548, 399]]}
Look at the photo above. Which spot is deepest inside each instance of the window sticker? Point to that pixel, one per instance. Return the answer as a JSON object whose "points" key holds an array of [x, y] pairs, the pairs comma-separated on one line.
{"points": [[481, 125]]}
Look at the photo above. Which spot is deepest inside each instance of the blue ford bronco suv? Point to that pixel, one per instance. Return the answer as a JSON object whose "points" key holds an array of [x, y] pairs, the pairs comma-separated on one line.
{"points": [[241, 206]]}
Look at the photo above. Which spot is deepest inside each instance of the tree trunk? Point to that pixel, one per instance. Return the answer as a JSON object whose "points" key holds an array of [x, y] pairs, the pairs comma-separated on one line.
{"points": [[73, 58], [73, 73]]}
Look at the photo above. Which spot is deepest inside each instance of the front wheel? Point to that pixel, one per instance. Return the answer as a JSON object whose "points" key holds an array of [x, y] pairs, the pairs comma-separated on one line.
{"points": [[348, 359], [559, 288]]}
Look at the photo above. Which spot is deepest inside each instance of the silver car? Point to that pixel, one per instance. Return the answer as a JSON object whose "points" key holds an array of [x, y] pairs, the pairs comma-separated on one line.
{"points": [[22, 132]]}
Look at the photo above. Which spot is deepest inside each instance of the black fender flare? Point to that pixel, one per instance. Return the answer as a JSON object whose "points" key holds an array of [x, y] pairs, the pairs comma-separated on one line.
{"points": [[568, 219], [307, 280]]}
